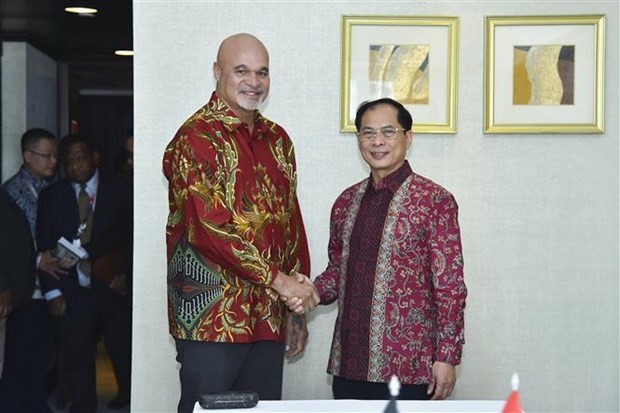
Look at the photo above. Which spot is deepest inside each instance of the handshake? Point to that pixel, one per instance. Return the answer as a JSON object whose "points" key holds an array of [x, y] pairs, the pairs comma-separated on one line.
{"points": [[297, 291]]}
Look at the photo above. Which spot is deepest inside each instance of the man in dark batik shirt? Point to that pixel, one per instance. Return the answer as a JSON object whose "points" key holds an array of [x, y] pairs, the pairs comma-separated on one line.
{"points": [[396, 269]]}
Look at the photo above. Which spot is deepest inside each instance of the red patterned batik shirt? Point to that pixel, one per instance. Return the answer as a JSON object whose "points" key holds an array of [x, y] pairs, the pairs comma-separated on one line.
{"points": [[233, 222], [396, 269]]}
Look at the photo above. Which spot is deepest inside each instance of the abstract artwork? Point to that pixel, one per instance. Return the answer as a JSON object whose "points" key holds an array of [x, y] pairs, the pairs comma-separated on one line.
{"points": [[544, 74], [390, 56]]}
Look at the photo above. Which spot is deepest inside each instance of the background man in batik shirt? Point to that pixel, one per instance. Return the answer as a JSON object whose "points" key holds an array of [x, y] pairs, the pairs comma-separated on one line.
{"points": [[234, 235], [396, 269]]}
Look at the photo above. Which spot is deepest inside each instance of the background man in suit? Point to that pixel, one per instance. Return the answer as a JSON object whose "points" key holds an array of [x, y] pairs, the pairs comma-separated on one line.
{"points": [[29, 327], [86, 207]]}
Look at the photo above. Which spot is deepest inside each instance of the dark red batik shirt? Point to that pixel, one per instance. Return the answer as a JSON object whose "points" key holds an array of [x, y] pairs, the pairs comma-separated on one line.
{"points": [[396, 269], [233, 222]]}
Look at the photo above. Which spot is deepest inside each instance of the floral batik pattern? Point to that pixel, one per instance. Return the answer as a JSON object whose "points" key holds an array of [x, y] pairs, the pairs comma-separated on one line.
{"points": [[233, 222]]}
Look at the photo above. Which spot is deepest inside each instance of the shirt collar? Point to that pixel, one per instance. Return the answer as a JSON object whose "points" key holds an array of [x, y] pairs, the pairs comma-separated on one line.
{"points": [[394, 180], [27, 176], [91, 184], [231, 121]]}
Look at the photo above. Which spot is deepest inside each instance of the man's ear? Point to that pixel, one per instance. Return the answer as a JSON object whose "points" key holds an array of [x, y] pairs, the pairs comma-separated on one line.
{"points": [[217, 71], [96, 157], [27, 157], [409, 136]]}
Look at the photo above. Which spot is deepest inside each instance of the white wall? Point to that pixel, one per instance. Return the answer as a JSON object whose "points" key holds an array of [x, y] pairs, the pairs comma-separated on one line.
{"points": [[29, 98], [539, 213]]}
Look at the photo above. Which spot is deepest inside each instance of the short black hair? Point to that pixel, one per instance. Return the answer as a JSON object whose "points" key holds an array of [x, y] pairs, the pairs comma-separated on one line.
{"points": [[32, 136], [75, 139], [404, 117]]}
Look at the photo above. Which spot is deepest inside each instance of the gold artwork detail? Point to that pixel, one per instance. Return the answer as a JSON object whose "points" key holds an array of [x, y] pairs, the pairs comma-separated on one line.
{"points": [[400, 72], [542, 75], [541, 64]]}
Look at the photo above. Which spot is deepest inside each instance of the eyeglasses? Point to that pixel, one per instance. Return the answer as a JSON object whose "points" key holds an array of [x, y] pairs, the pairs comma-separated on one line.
{"points": [[388, 132], [47, 156]]}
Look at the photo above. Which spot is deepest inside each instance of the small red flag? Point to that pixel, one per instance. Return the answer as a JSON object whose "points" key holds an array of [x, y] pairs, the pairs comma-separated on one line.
{"points": [[512, 404]]}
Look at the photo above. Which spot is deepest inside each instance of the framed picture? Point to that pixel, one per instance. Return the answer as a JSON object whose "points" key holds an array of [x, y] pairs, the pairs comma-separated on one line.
{"points": [[544, 74], [411, 59]]}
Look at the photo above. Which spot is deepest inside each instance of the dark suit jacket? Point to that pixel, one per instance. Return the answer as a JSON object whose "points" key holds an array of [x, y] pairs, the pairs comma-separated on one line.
{"points": [[58, 216], [17, 255]]}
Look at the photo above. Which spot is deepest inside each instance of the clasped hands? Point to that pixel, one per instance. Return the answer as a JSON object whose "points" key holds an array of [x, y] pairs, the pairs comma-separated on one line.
{"points": [[297, 291], [54, 266]]}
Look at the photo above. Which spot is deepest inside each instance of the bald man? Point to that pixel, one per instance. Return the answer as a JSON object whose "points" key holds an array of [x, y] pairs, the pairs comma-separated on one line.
{"points": [[235, 236]]}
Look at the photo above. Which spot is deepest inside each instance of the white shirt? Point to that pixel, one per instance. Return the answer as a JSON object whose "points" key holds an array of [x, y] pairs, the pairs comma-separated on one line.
{"points": [[91, 189]]}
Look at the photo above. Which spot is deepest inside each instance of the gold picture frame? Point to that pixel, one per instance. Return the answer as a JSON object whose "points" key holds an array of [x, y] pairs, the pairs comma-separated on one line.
{"points": [[544, 74], [412, 59]]}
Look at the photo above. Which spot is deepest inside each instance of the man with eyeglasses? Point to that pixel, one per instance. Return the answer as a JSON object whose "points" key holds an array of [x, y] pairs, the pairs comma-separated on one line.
{"points": [[396, 269], [29, 327]]}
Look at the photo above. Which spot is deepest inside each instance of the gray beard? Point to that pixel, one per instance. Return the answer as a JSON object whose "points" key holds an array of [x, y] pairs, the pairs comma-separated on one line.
{"points": [[251, 105]]}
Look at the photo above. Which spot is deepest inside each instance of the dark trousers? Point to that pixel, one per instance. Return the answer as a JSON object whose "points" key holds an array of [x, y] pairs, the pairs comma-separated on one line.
{"points": [[91, 312], [27, 354], [208, 367], [365, 390]]}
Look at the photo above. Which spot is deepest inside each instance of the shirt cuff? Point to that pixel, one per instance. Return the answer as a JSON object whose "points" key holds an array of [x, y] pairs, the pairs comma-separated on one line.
{"points": [[51, 294], [449, 353]]}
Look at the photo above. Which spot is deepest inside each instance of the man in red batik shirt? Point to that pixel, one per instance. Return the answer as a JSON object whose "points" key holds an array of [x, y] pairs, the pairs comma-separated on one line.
{"points": [[396, 269], [234, 236]]}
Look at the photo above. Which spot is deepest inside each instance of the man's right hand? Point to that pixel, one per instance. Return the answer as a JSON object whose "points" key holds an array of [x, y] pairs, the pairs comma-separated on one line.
{"points": [[302, 294], [296, 304], [57, 306], [119, 284], [52, 265]]}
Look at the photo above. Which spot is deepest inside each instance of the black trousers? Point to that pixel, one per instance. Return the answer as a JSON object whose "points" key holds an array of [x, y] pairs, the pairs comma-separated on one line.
{"points": [[92, 313], [365, 390], [208, 367], [27, 353]]}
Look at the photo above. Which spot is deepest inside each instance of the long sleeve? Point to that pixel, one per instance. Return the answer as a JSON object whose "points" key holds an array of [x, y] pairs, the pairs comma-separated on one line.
{"points": [[45, 237], [328, 282], [449, 289]]}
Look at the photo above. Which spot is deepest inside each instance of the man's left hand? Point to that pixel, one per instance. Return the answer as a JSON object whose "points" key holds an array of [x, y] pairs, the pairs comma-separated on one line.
{"points": [[296, 334], [444, 378]]}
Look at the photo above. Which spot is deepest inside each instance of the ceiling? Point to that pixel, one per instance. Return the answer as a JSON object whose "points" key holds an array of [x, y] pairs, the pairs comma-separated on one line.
{"points": [[85, 44]]}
